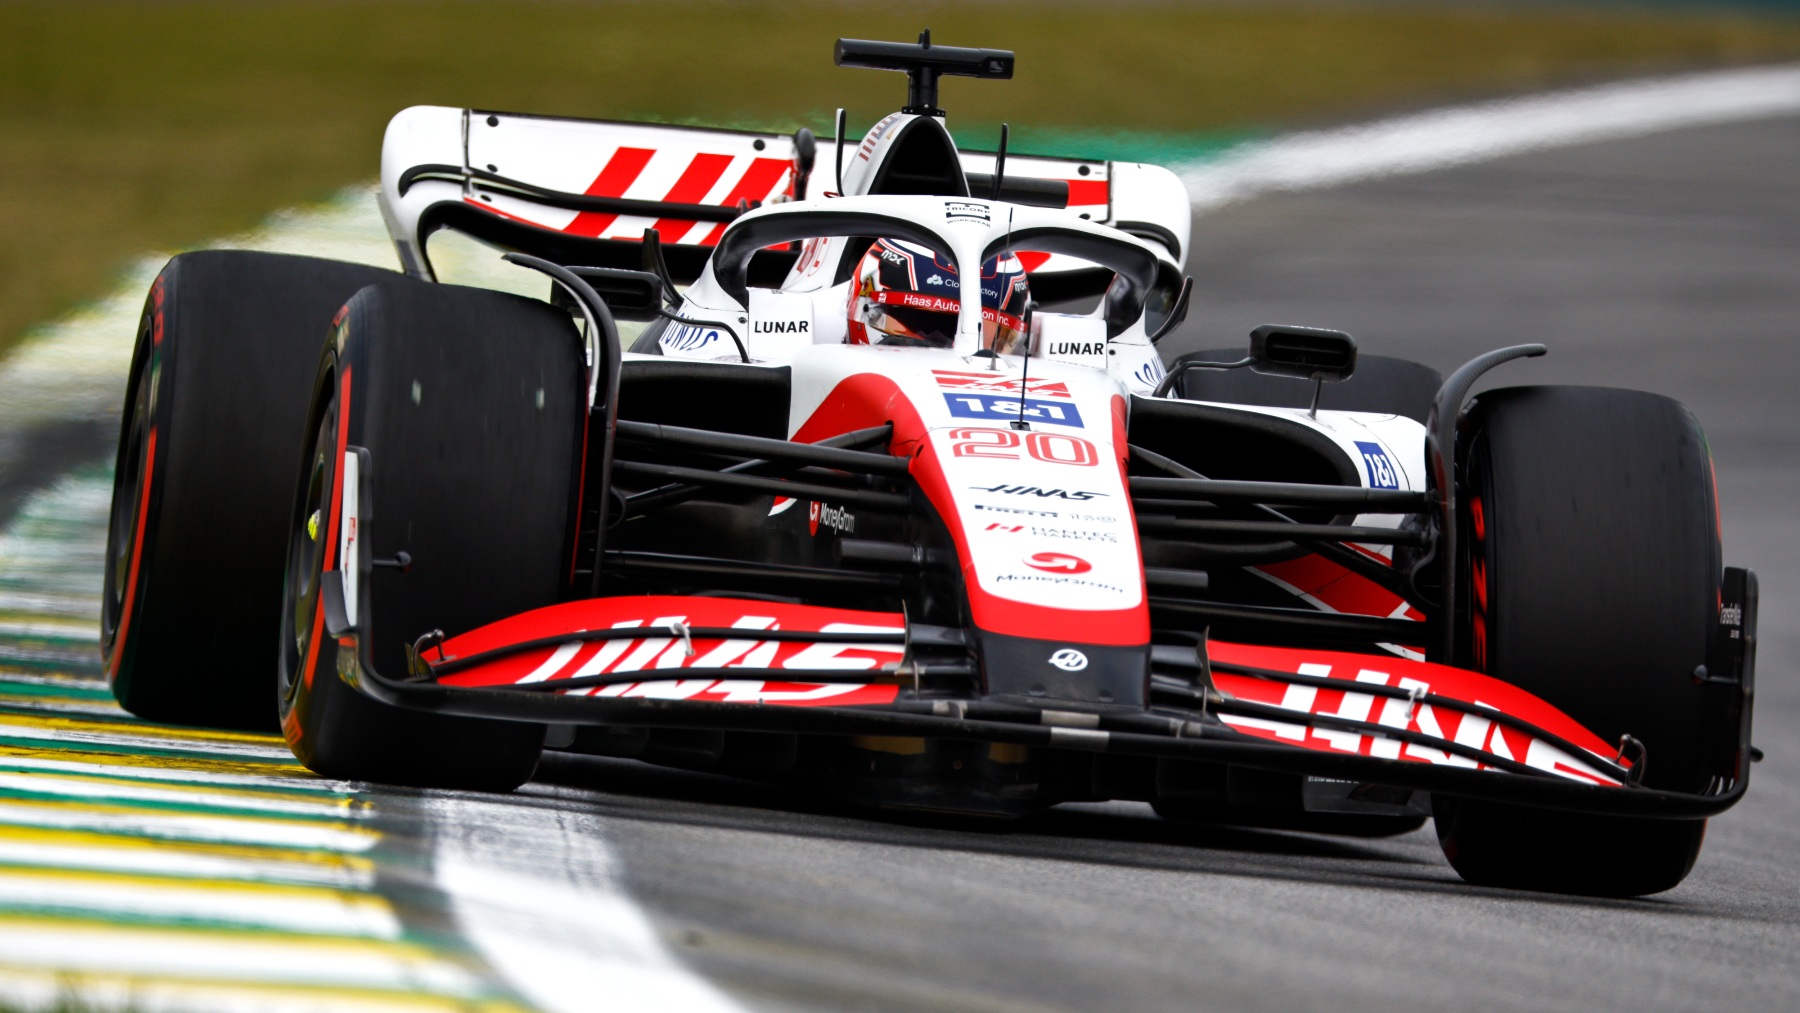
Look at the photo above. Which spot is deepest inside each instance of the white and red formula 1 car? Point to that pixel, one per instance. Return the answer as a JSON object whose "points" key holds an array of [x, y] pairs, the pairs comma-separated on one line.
{"points": [[890, 493]]}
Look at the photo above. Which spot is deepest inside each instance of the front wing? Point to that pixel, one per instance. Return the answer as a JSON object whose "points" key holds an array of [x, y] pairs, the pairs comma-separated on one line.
{"points": [[730, 664]]}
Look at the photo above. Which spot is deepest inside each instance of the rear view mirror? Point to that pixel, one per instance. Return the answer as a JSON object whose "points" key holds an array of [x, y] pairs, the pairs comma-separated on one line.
{"points": [[1306, 353], [630, 295], [1178, 310], [805, 151]]}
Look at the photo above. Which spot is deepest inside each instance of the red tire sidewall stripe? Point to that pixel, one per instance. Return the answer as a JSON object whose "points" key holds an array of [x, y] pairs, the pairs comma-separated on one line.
{"points": [[331, 528], [119, 642], [137, 554]]}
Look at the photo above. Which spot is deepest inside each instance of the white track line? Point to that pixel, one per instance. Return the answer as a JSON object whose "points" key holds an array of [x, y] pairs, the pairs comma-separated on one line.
{"points": [[1444, 138], [287, 834], [149, 743], [96, 853], [182, 775], [110, 788], [307, 910], [536, 891]]}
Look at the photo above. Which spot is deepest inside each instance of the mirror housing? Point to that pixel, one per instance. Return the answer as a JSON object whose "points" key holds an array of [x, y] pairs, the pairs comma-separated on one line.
{"points": [[630, 295], [1305, 353], [1178, 311], [805, 152]]}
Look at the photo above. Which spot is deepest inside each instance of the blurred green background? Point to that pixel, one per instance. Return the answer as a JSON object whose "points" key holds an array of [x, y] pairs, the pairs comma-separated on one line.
{"points": [[131, 127]]}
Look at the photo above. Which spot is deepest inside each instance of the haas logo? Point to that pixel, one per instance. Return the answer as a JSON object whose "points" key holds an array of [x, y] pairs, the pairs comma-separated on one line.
{"points": [[1069, 660], [1057, 562]]}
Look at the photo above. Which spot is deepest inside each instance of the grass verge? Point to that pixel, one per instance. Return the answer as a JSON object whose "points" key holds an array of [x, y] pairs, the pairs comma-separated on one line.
{"points": [[139, 126]]}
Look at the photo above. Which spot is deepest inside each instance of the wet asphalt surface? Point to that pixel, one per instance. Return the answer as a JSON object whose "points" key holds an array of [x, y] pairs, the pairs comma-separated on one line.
{"points": [[1669, 263]]}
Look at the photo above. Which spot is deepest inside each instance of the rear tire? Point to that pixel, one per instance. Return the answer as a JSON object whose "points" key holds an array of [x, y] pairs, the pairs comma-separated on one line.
{"points": [[215, 413], [471, 405], [1592, 567]]}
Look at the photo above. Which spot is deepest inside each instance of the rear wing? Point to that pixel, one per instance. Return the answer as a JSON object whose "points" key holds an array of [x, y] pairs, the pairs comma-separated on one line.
{"points": [[583, 191]]}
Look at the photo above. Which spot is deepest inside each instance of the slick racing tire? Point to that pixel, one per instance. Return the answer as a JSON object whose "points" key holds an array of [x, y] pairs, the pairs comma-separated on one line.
{"points": [[468, 407], [1592, 573], [214, 421], [1380, 384]]}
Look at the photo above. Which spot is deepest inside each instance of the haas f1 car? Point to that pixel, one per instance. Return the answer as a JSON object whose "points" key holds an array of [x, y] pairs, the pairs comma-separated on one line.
{"points": [[854, 464]]}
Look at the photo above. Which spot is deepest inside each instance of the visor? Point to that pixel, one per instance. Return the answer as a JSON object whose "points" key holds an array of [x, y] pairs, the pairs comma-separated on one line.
{"points": [[931, 320]]}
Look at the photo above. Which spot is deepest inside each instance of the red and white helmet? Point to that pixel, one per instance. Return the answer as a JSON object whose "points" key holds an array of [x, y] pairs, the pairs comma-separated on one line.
{"points": [[904, 294]]}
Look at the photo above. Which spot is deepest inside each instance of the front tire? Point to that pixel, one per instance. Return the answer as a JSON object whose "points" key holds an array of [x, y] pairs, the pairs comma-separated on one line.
{"points": [[471, 406], [1593, 574], [1517, 847]]}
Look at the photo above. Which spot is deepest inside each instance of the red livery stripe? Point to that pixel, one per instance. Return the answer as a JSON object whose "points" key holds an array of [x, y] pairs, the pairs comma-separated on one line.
{"points": [[620, 172], [695, 183], [1457, 725], [757, 182], [1083, 192]]}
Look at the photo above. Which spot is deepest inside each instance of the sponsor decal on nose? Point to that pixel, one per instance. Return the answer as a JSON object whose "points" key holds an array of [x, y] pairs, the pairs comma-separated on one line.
{"points": [[1004, 406], [1057, 562], [837, 518], [1379, 466], [1076, 495]]}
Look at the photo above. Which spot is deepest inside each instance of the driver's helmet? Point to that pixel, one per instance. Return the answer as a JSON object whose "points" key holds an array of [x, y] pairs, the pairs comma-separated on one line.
{"points": [[904, 294]]}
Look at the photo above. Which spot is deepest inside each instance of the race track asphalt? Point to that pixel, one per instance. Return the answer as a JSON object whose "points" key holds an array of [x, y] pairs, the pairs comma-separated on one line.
{"points": [[1669, 263]]}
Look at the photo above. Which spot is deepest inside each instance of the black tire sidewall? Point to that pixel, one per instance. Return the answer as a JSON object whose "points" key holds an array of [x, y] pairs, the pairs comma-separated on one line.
{"points": [[225, 346], [338, 732], [335, 729], [1589, 576], [1598, 544]]}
